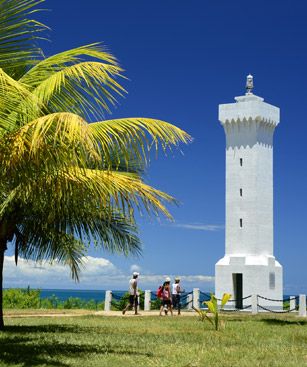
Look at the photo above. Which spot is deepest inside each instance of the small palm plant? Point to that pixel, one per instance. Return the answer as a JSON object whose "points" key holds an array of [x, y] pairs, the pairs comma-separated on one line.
{"points": [[213, 309]]}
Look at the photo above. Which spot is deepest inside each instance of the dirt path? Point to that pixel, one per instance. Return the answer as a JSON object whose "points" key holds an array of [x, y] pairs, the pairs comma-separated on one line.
{"points": [[78, 313]]}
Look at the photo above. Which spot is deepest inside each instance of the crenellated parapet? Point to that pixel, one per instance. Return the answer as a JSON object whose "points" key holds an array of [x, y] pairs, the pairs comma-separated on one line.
{"points": [[249, 108]]}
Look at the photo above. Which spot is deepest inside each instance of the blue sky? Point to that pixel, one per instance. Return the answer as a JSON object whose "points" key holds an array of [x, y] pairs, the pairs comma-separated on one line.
{"points": [[183, 58]]}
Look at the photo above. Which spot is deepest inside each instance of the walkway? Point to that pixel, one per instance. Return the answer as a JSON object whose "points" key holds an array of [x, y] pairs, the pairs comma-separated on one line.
{"points": [[76, 313]]}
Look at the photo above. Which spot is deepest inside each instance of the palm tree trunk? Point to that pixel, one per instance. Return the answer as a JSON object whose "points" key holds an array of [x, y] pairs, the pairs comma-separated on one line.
{"points": [[2, 250]]}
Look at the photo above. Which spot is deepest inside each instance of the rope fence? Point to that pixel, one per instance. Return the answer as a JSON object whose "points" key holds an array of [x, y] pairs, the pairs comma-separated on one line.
{"points": [[206, 297], [271, 299], [196, 298], [276, 311], [284, 300], [236, 309], [234, 300]]}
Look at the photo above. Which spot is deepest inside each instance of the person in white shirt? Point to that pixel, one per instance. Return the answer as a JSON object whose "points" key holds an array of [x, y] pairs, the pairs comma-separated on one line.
{"points": [[176, 290], [133, 294]]}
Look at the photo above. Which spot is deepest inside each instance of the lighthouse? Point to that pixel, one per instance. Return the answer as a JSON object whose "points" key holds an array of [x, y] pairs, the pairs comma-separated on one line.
{"points": [[249, 266]]}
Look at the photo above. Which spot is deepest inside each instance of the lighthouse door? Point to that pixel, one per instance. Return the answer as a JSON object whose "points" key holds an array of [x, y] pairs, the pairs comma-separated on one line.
{"points": [[238, 289]]}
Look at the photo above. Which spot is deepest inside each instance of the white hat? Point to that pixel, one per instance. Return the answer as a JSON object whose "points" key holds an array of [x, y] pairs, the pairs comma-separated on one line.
{"points": [[135, 274], [167, 279]]}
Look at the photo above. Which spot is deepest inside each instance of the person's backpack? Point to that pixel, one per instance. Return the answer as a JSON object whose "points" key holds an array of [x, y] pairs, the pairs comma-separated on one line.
{"points": [[159, 291]]}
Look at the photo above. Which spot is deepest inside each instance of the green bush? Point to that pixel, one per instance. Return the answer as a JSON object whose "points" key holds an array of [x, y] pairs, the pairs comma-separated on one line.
{"points": [[155, 304], [31, 298], [121, 304], [21, 298], [123, 301], [77, 303]]}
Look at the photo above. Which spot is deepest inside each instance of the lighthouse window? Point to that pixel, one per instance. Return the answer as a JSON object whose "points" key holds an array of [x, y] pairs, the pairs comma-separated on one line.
{"points": [[241, 222], [241, 162], [272, 280], [241, 192]]}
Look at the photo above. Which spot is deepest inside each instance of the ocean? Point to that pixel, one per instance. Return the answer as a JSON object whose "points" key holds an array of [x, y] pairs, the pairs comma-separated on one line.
{"points": [[86, 295]]}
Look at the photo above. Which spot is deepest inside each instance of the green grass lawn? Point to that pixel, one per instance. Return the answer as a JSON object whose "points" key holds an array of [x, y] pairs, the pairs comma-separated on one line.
{"points": [[84, 341]]}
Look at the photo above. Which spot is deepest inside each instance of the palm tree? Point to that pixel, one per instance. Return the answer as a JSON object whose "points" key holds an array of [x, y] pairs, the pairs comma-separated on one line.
{"points": [[64, 182]]}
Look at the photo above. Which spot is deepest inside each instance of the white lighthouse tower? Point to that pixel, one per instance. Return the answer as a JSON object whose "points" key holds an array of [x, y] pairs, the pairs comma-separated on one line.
{"points": [[249, 266]]}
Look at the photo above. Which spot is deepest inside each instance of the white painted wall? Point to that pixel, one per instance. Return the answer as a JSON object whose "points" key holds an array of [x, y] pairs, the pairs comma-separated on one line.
{"points": [[255, 178], [249, 127]]}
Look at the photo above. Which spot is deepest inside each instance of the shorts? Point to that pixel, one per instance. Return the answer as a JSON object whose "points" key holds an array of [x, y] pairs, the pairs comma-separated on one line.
{"points": [[166, 302], [176, 301], [133, 300]]}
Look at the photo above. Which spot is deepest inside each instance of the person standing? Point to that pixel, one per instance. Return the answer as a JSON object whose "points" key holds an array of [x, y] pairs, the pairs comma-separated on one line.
{"points": [[133, 294], [166, 297], [176, 295]]}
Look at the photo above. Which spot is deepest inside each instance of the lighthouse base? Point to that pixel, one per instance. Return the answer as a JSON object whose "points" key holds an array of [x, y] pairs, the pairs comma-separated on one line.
{"points": [[242, 276]]}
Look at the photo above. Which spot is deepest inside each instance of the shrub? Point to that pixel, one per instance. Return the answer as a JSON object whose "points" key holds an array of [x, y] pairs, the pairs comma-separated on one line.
{"points": [[122, 302], [31, 298], [21, 298]]}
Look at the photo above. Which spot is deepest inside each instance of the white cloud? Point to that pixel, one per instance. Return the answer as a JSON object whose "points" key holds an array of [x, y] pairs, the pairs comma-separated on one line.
{"points": [[153, 281], [199, 226], [190, 279], [55, 275], [135, 267], [98, 273]]}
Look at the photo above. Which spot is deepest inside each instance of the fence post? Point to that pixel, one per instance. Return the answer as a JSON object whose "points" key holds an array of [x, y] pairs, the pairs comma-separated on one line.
{"points": [[147, 300], [292, 305], [254, 301], [107, 301], [302, 305], [189, 301], [196, 297]]}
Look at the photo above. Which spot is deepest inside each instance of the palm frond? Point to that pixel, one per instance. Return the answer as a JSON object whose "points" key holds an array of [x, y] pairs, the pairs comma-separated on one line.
{"points": [[118, 142], [69, 82], [76, 186], [14, 111], [8, 201], [52, 64], [57, 128], [42, 244], [117, 234], [39, 238], [83, 82], [53, 138], [18, 50], [123, 190], [138, 135]]}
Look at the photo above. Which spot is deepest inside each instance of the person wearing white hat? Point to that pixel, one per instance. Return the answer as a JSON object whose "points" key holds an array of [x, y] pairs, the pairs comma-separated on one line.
{"points": [[133, 294], [176, 290]]}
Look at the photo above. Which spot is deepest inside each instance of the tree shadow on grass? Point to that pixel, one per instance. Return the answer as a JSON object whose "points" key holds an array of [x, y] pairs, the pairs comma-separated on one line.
{"points": [[284, 322], [55, 328], [30, 351], [25, 351], [48, 328]]}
